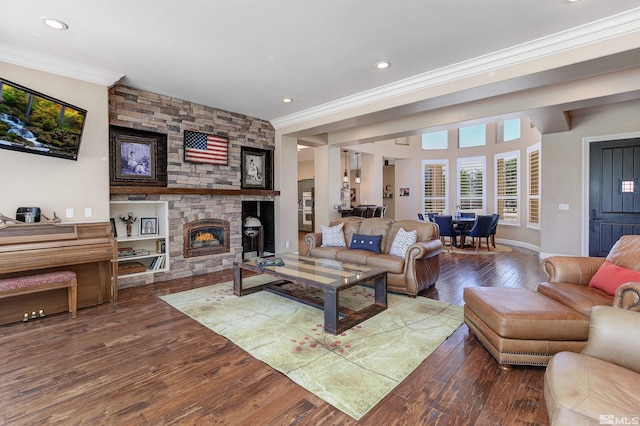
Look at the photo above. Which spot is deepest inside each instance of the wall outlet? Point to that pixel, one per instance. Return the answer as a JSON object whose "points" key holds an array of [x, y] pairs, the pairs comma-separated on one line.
{"points": [[287, 244], [563, 206], [88, 212], [69, 212]]}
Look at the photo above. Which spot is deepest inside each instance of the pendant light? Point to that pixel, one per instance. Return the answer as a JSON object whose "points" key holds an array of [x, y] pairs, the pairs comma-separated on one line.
{"points": [[357, 180], [345, 178]]}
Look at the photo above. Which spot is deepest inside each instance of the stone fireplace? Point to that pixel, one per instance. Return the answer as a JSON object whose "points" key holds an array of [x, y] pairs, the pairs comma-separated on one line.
{"points": [[205, 237]]}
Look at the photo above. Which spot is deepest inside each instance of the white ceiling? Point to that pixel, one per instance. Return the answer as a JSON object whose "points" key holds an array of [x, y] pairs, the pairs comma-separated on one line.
{"points": [[245, 56]]}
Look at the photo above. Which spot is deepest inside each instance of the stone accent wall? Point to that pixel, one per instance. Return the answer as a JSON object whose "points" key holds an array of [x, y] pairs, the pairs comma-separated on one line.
{"points": [[138, 109]]}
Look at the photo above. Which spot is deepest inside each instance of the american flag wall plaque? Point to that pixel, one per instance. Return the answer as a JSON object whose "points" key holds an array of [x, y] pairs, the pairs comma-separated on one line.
{"points": [[204, 148]]}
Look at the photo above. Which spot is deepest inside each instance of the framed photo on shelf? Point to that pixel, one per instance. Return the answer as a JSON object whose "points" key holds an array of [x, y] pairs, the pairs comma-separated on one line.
{"points": [[148, 225], [137, 157], [257, 168], [114, 231]]}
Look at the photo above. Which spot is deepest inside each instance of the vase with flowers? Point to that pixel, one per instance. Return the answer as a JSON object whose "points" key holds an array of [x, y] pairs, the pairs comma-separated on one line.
{"points": [[128, 220]]}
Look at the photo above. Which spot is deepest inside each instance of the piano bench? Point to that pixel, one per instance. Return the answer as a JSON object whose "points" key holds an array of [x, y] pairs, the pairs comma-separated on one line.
{"points": [[42, 282]]}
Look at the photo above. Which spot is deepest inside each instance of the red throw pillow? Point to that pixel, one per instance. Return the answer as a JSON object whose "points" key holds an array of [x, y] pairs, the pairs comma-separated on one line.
{"points": [[610, 276]]}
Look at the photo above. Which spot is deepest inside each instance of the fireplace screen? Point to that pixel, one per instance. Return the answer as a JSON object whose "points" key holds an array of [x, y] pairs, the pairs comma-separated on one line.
{"points": [[205, 237]]}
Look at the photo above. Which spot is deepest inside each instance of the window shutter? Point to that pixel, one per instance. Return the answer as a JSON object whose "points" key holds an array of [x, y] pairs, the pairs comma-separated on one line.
{"points": [[435, 187]]}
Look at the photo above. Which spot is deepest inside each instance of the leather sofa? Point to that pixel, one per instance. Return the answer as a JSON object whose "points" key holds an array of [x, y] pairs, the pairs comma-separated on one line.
{"points": [[416, 271], [526, 327], [600, 384]]}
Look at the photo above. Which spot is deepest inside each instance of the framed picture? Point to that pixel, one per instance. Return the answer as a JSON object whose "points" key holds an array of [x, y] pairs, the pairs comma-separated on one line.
{"points": [[257, 168], [114, 231], [404, 192], [137, 157], [205, 148], [148, 225], [352, 195]]}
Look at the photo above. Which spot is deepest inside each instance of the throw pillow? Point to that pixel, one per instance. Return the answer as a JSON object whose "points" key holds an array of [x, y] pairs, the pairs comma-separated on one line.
{"points": [[332, 236], [366, 242], [611, 276], [402, 241]]}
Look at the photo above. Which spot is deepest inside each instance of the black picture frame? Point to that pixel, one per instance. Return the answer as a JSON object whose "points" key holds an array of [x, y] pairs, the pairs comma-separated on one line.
{"points": [[137, 157], [148, 226], [22, 123], [205, 148], [114, 231], [256, 168]]}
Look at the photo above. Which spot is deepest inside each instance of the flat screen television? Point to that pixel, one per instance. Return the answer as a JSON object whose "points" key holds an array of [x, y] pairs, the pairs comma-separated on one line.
{"points": [[39, 124]]}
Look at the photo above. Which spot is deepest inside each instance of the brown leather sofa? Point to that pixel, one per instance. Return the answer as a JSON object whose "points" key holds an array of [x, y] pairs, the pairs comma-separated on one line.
{"points": [[418, 270], [521, 326], [600, 384]]}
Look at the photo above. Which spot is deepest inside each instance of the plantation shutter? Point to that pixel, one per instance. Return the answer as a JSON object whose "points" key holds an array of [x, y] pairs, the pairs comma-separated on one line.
{"points": [[471, 185], [435, 180]]}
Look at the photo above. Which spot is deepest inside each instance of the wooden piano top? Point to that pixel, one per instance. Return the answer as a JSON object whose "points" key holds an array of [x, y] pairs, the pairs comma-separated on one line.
{"points": [[48, 245]]}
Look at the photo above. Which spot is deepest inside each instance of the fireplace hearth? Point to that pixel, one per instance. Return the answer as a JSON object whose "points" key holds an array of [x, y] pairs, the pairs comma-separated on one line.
{"points": [[205, 237]]}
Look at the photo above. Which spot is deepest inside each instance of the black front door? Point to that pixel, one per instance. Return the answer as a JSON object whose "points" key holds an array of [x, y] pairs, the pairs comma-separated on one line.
{"points": [[614, 197]]}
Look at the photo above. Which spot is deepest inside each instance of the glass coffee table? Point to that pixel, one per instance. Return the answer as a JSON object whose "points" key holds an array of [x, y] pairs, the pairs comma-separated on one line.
{"points": [[328, 276]]}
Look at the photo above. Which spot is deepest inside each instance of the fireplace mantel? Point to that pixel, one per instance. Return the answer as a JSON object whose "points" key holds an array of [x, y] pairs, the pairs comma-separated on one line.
{"points": [[147, 190]]}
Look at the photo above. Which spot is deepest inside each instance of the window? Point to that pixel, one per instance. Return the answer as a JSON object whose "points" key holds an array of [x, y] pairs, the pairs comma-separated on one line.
{"points": [[472, 136], [507, 184], [509, 130], [471, 184], [436, 187], [533, 186], [435, 140]]}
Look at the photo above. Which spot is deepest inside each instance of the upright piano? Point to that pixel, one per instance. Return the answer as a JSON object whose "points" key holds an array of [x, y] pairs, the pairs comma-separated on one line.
{"points": [[88, 249]]}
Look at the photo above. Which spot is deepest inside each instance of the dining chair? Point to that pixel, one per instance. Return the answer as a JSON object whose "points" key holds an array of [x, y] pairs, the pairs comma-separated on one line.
{"points": [[360, 211], [379, 212], [431, 215], [481, 229], [445, 223], [421, 217], [494, 228]]}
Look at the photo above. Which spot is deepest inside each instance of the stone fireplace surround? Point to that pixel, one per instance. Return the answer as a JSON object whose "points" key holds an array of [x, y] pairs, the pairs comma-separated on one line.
{"points": [[210, 191]]}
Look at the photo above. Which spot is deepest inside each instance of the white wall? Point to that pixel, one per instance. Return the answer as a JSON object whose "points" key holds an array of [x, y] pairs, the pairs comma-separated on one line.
{"points": [[563, 171], [55, 184]]}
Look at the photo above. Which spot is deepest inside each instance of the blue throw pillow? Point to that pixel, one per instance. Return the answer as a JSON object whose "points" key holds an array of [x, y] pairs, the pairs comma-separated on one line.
{"points": [[366, 242]]}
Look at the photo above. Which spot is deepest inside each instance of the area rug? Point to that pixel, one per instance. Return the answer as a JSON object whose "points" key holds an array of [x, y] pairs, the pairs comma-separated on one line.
{"points": [[352, 371]]}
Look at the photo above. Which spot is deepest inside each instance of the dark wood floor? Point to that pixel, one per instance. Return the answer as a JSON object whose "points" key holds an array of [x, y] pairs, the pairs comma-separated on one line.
{"points": [[147, 363]]}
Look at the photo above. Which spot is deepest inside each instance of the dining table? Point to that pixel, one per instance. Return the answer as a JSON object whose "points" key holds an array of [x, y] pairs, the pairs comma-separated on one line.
{"points": [[463, 224]]}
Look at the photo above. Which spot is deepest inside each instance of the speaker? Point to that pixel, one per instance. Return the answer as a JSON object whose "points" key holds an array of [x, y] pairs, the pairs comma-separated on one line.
{"points": [[28, 214]]}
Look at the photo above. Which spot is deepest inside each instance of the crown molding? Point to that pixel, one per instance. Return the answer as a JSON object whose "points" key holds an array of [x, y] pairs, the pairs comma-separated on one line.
{"points": [[55, 65], [602, 30]]}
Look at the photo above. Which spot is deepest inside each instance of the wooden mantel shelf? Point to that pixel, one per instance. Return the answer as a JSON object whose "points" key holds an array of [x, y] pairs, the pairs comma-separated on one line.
{"points": [[148, 190]]}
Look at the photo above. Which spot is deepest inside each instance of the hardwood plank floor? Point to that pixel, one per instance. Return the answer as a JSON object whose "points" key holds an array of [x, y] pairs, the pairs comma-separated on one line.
{"points": [[147, 363]]}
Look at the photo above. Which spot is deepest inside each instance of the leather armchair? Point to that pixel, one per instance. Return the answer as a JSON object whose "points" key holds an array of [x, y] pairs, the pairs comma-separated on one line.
{"points": [[602, 380], [569, 276]]}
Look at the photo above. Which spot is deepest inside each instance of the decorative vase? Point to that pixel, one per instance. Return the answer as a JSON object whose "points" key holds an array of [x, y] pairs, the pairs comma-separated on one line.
{"points": [[128, 229]]}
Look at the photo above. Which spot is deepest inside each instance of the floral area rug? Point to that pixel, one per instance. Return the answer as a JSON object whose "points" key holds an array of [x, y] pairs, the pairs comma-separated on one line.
{"points": [[352, 371]]}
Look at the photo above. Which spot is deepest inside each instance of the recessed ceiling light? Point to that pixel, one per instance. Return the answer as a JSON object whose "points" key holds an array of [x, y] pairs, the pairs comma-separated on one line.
{"points": [[383, 64], [54, 23], [287, 100]]}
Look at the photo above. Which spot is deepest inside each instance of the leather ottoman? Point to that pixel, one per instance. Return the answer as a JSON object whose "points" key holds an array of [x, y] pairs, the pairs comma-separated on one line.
{"points": [[521, 326]]}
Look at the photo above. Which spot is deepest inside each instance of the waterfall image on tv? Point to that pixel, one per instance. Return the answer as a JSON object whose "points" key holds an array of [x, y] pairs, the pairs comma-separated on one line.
{"points": [[39, 124]]}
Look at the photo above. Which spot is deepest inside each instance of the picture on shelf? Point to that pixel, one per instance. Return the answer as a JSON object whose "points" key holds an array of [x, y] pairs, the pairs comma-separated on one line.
{"points": [[114, 231], [148, 225], [257, 168]]}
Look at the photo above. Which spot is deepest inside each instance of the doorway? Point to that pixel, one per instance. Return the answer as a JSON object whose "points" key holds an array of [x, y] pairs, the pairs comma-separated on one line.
{"points": [[614, 196]]}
